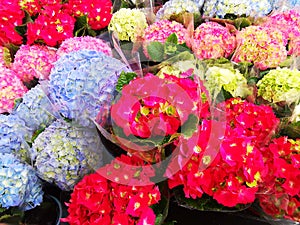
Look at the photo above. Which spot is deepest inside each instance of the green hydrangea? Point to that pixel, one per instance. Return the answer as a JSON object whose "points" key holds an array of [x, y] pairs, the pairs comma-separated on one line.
{"points": [[231, 80], [280, 85], [129, 24]]}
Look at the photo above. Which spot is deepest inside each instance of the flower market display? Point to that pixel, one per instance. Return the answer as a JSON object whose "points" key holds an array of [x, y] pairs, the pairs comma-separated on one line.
{"points": [[127, 108]]}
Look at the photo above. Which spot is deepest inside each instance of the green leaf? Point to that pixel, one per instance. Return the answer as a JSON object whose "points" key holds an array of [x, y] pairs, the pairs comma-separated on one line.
{"points": [[156, 51], [124, 79], [190, 126], [170, 49], [172, 39], [81, 25], [242, 22], [22, 29]]}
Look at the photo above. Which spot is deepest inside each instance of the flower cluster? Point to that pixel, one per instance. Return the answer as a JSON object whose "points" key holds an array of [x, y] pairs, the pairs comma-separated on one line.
{"points": [[280, 85], [129, 24], [52, 26], [35, 109], [285, 5], [14, 135], [248, 8], [283, 160], [154, 114], [63, 154], [86, 42], [231, 80], [174, 8], [35, 61], [11, 15], [19, 185], [33, 7], [212, 40], [11, 88], [51, 22], [257, 122], [161, 30], [98, 13], [227, 175], [262, 46], [288, 22], [98, 200], [82, 82], [225, 170]]}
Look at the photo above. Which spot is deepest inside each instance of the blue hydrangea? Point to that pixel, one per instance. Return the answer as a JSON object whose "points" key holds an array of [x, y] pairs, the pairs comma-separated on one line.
{"points": [[82, 82], [176, 7], [14, 136], [255, 8], [283, 5], [62, 154], [19, 184], [35, 109]]}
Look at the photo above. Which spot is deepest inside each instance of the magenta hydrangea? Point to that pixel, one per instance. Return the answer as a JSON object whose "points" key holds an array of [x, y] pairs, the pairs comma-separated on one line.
{"points": [[81, 43], [161, 30], [288, 22], [11, 88], [34, 61], [212, 40], [265, 47]]}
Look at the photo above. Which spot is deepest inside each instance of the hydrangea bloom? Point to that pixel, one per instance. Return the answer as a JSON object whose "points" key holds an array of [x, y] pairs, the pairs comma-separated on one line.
{"points": [[85, 42], [262, 46], [199, 3], [283, 180], [82, 82], [288, 22], [11, 88], [161, 30], [280, 85], [31, 6], [212, 40], [34, 61], [174, 8], [52, 26], [19, 185], [35, 109], [11, 15], [230, 80], [13, 135], [129, 24], [254, 8], [98, 12], [284, 5], [63, 154], [112, 202]]}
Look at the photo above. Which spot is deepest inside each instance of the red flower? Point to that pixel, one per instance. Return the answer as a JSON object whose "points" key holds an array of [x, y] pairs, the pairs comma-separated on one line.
{"points": [[11, 16], [97, 200], [99, 12], [52, 26]]}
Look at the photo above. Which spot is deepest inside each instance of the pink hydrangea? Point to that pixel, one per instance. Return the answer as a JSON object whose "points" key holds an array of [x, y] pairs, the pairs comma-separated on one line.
{"points": [[11, 88], [212, 40], [262, 46], [161, 30], [34, 61], [86, 42], [288, 22]]}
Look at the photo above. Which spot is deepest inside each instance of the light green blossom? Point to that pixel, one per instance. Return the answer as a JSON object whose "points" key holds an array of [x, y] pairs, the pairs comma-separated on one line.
{"points": [[230, 80], [280, 85], [129, 24]]}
